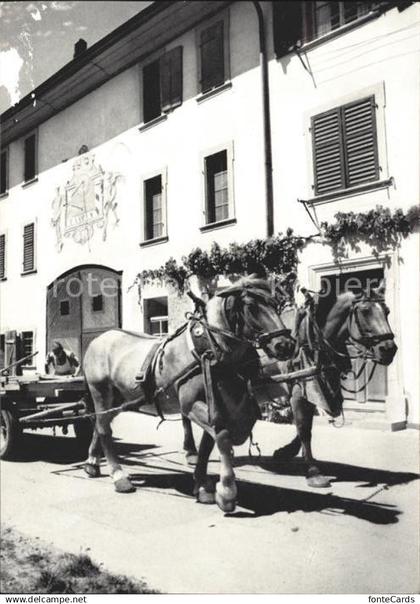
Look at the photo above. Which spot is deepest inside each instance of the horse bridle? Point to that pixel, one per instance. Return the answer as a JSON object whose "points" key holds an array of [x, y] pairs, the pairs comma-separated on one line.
{"points": [[362, 340], [261, 339]]}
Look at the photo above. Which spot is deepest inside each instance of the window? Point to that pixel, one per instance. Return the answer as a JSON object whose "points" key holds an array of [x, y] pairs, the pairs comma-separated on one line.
{"points": [[2, 256], [30, 157], [213, 68], [162, 84], [344, 146], [156, 316], [2, 350], [4, 171], [64, 308], [27, 342], [296, 23], [97, 303], [29, 247], [154, 208], [217, 187]]}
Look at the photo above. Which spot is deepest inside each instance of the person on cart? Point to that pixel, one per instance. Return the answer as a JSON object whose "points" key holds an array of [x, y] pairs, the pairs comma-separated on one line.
{"points": [[61, 361]]}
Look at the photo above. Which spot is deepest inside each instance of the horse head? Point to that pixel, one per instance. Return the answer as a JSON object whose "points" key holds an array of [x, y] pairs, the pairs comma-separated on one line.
{"points": [[365, 324], [251, 312]]}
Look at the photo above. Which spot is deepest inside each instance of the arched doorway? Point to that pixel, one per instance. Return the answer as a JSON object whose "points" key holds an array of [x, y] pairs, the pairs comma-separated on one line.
{"points": [[81, 304]]}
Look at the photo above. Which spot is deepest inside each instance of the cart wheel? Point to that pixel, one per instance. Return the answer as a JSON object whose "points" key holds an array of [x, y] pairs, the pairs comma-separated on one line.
{"points": [[10, 434], [83, 430]]}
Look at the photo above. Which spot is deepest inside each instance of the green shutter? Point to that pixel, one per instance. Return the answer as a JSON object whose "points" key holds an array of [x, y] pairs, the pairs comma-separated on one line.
{"points": [[360, 142], [327, 152], [171, 78], [212, 57], [28, 247], [30, 157], [2, 256]]}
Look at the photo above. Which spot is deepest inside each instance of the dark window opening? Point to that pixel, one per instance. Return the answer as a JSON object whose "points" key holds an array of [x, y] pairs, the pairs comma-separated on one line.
{"points": [[162, 84], [2, 350], [154, 210], [30, 157], [97, 303], [344, 146], [29, 247], [296, 23], [217, 192], [4, 168], [2, 256], [212, 56], [156, 316], [64, 308], [27, 346]]}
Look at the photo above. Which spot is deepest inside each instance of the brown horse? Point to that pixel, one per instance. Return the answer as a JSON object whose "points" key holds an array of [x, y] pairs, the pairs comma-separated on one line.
{"points": [[357, 320], [198, 367]]}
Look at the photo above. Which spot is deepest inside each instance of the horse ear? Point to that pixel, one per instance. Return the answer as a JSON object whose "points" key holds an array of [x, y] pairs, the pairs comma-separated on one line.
{"points": [[380, 290]]}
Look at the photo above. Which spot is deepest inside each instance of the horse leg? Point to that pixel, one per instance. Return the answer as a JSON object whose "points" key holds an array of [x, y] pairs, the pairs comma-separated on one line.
{"points": [[289, 451], [189, 443], [103, 401], [92, 464], [303, 412], [226, 490], [203, 487]]}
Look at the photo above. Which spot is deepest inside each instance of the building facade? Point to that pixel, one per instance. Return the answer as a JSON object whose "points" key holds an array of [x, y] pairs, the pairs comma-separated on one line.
{"points": [[154, 141]]}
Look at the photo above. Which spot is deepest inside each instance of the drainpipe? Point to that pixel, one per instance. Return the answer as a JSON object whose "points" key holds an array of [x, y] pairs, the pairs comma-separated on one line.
{"points": [[268, 156]]}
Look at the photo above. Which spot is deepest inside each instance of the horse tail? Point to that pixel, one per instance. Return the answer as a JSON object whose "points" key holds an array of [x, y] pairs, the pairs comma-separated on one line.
{"points": [[87, 397]]}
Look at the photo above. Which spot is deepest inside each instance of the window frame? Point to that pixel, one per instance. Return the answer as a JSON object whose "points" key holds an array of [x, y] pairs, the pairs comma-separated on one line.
{"points": [[35, 175], [164, 109], [145, 240], [229, 149], [147, 319], [6, 150], [29, 364], [224, 17], [384, 180]]}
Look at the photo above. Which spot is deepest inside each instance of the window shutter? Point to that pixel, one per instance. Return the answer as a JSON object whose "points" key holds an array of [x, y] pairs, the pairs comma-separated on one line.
{"points": [[28, 247], [287, 25], [30, 160], [2, 256], [171, 78], [151, 91], [212, 57], [3, 172], [327, 152], [360, 141]]}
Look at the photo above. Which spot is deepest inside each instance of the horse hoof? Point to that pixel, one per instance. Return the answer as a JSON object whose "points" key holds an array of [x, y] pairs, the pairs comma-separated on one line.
{"points": [[226, 505], [318, 481], [206, 497], [123, 485], [92, 470], [191, 459]]}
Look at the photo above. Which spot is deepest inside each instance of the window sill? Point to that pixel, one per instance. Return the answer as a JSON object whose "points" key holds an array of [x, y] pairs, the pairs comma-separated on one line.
{"points": [[213, 92], [31, 272], [340, 30], [334, 195], [3, 279], [27, 183], [4, 195], [218, 225], [155, 241], [157, 120]]}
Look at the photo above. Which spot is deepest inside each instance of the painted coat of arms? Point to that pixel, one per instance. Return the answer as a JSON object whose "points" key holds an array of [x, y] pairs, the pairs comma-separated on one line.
{"points": [[85, 203]]}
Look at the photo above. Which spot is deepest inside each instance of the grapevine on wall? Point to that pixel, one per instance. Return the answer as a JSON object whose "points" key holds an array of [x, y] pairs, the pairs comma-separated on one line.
{"points": [[279, 255]]}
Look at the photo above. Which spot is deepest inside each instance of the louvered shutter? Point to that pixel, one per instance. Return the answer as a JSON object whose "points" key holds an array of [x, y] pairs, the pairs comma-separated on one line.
{"points": [[360, 142], [328, 152], [151, 91], [2, 256], [212, 57], [287, 25], [171, 78], [30, 157], [28, 247]]}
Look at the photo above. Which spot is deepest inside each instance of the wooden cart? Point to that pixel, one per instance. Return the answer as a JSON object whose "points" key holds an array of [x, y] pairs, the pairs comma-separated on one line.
{"points": [[40, 402]]}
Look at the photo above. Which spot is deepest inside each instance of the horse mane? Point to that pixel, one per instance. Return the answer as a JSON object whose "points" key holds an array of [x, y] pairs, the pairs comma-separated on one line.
{"points": [[336, 316], [250, 282]]}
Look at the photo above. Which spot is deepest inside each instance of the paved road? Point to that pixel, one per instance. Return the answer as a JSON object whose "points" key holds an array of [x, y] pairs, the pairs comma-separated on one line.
{"points": [[358, 536]]}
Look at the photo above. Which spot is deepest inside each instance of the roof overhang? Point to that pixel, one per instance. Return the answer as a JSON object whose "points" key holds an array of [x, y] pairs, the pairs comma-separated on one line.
{"points": [[132, 42]]}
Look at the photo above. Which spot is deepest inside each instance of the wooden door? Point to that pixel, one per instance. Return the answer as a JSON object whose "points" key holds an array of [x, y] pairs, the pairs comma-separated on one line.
{"points": [[81, 305]]}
